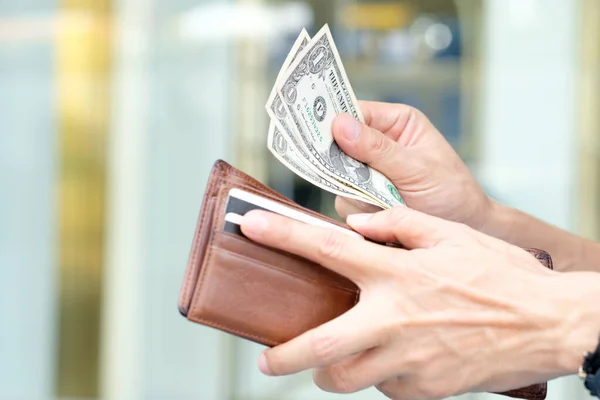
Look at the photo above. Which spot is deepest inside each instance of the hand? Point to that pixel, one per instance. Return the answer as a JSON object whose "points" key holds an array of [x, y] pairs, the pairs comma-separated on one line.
{"points": [[455, 312], [401, 143]]}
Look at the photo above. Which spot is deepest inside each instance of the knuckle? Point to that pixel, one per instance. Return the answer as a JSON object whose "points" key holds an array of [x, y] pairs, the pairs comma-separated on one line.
{"points": [[323, 346], [380, 144], [396, 389], [434, 392], [331, 246], [413, 115], [387, 391], [399, 215], [339, 379], [405, 117], [424, 388]]}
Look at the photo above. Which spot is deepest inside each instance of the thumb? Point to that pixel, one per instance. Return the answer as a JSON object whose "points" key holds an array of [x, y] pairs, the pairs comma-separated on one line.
{"points": [[413, 229], [368, 145]]}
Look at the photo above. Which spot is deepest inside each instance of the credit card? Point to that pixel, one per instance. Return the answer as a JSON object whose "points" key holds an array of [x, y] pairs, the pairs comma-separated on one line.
{"points": [[232, 224], [239, 202]]}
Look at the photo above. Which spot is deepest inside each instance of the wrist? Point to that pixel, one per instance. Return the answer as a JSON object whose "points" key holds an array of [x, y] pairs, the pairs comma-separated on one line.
{"points": [[498, 220], [567, 250], [580, 323]]}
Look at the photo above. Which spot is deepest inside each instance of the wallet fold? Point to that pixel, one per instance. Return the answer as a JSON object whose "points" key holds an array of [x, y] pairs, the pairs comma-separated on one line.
{"points": [[262, 294]]}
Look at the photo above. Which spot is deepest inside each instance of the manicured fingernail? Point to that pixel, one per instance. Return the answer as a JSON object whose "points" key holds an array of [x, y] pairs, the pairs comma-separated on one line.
{"points": [[262, 364], [255, 224], [351, 128], [358, 219]]}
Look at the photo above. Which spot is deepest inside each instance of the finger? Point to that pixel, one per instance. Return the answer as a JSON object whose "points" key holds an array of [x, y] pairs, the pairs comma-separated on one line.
{"points": [[369, 145], [389, 118], [414, 388], [345, 206], [411, 228], [326, 344], [353, 374], [356, 259], [396, 388]]}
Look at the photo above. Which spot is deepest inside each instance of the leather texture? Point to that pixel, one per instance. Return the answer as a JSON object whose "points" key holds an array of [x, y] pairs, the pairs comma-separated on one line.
{"points": [[263, 294]]}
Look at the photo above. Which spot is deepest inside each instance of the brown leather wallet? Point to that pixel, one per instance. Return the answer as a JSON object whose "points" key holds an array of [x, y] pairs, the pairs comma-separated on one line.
{"points": [[263, 294]]}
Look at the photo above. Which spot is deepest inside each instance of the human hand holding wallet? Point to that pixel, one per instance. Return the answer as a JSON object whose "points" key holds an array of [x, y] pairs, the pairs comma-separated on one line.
{"points": [[259, 293]]}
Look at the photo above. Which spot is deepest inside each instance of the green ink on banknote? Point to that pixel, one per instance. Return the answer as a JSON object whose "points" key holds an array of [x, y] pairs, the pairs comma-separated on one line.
{"points": [[314, 123], [394, 192]]}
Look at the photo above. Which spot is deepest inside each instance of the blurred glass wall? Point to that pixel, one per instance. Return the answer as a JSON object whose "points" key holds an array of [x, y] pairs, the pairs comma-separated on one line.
{"points": [[29, 237], [113, 111]]}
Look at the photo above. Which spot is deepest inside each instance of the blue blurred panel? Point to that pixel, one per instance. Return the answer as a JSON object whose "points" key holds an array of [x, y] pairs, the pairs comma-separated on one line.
{"points": [[450, 122], [407, 98], [454, 50], [27, 210]]}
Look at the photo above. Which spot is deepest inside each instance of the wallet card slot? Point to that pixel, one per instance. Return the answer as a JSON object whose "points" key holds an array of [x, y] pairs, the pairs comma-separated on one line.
{"points": [[252, 299], [282, 261], [236, 182]]}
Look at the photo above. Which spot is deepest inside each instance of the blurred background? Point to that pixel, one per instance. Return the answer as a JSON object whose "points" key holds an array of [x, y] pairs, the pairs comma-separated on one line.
{"points": [[113, 111]]}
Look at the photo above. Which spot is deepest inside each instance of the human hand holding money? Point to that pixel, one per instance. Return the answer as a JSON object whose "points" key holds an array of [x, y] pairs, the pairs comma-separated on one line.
{"points": [[311, 89]]}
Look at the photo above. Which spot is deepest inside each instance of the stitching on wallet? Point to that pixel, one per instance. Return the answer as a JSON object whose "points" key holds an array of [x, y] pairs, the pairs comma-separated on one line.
{"points": [[193, 261], [261, 339], [205, 207], [268, 266]]}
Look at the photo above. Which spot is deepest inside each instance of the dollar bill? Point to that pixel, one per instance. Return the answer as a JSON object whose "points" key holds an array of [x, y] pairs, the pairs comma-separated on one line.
{"points": [[281, 148], [314, 89], [275, 107], [285, 144]]}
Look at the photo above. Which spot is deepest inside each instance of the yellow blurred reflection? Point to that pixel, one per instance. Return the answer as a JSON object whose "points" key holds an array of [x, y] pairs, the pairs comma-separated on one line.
{"points": [[83, 73], [376, 15]]}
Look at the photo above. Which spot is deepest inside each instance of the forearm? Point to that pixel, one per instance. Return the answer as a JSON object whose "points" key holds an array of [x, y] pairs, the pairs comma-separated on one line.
{"points": [[569, 252]]}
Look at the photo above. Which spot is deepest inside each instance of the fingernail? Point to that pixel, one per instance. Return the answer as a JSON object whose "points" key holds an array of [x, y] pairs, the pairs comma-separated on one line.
{"points": [[351, 128], [255, 224], [262, 364], [358, 219]]}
